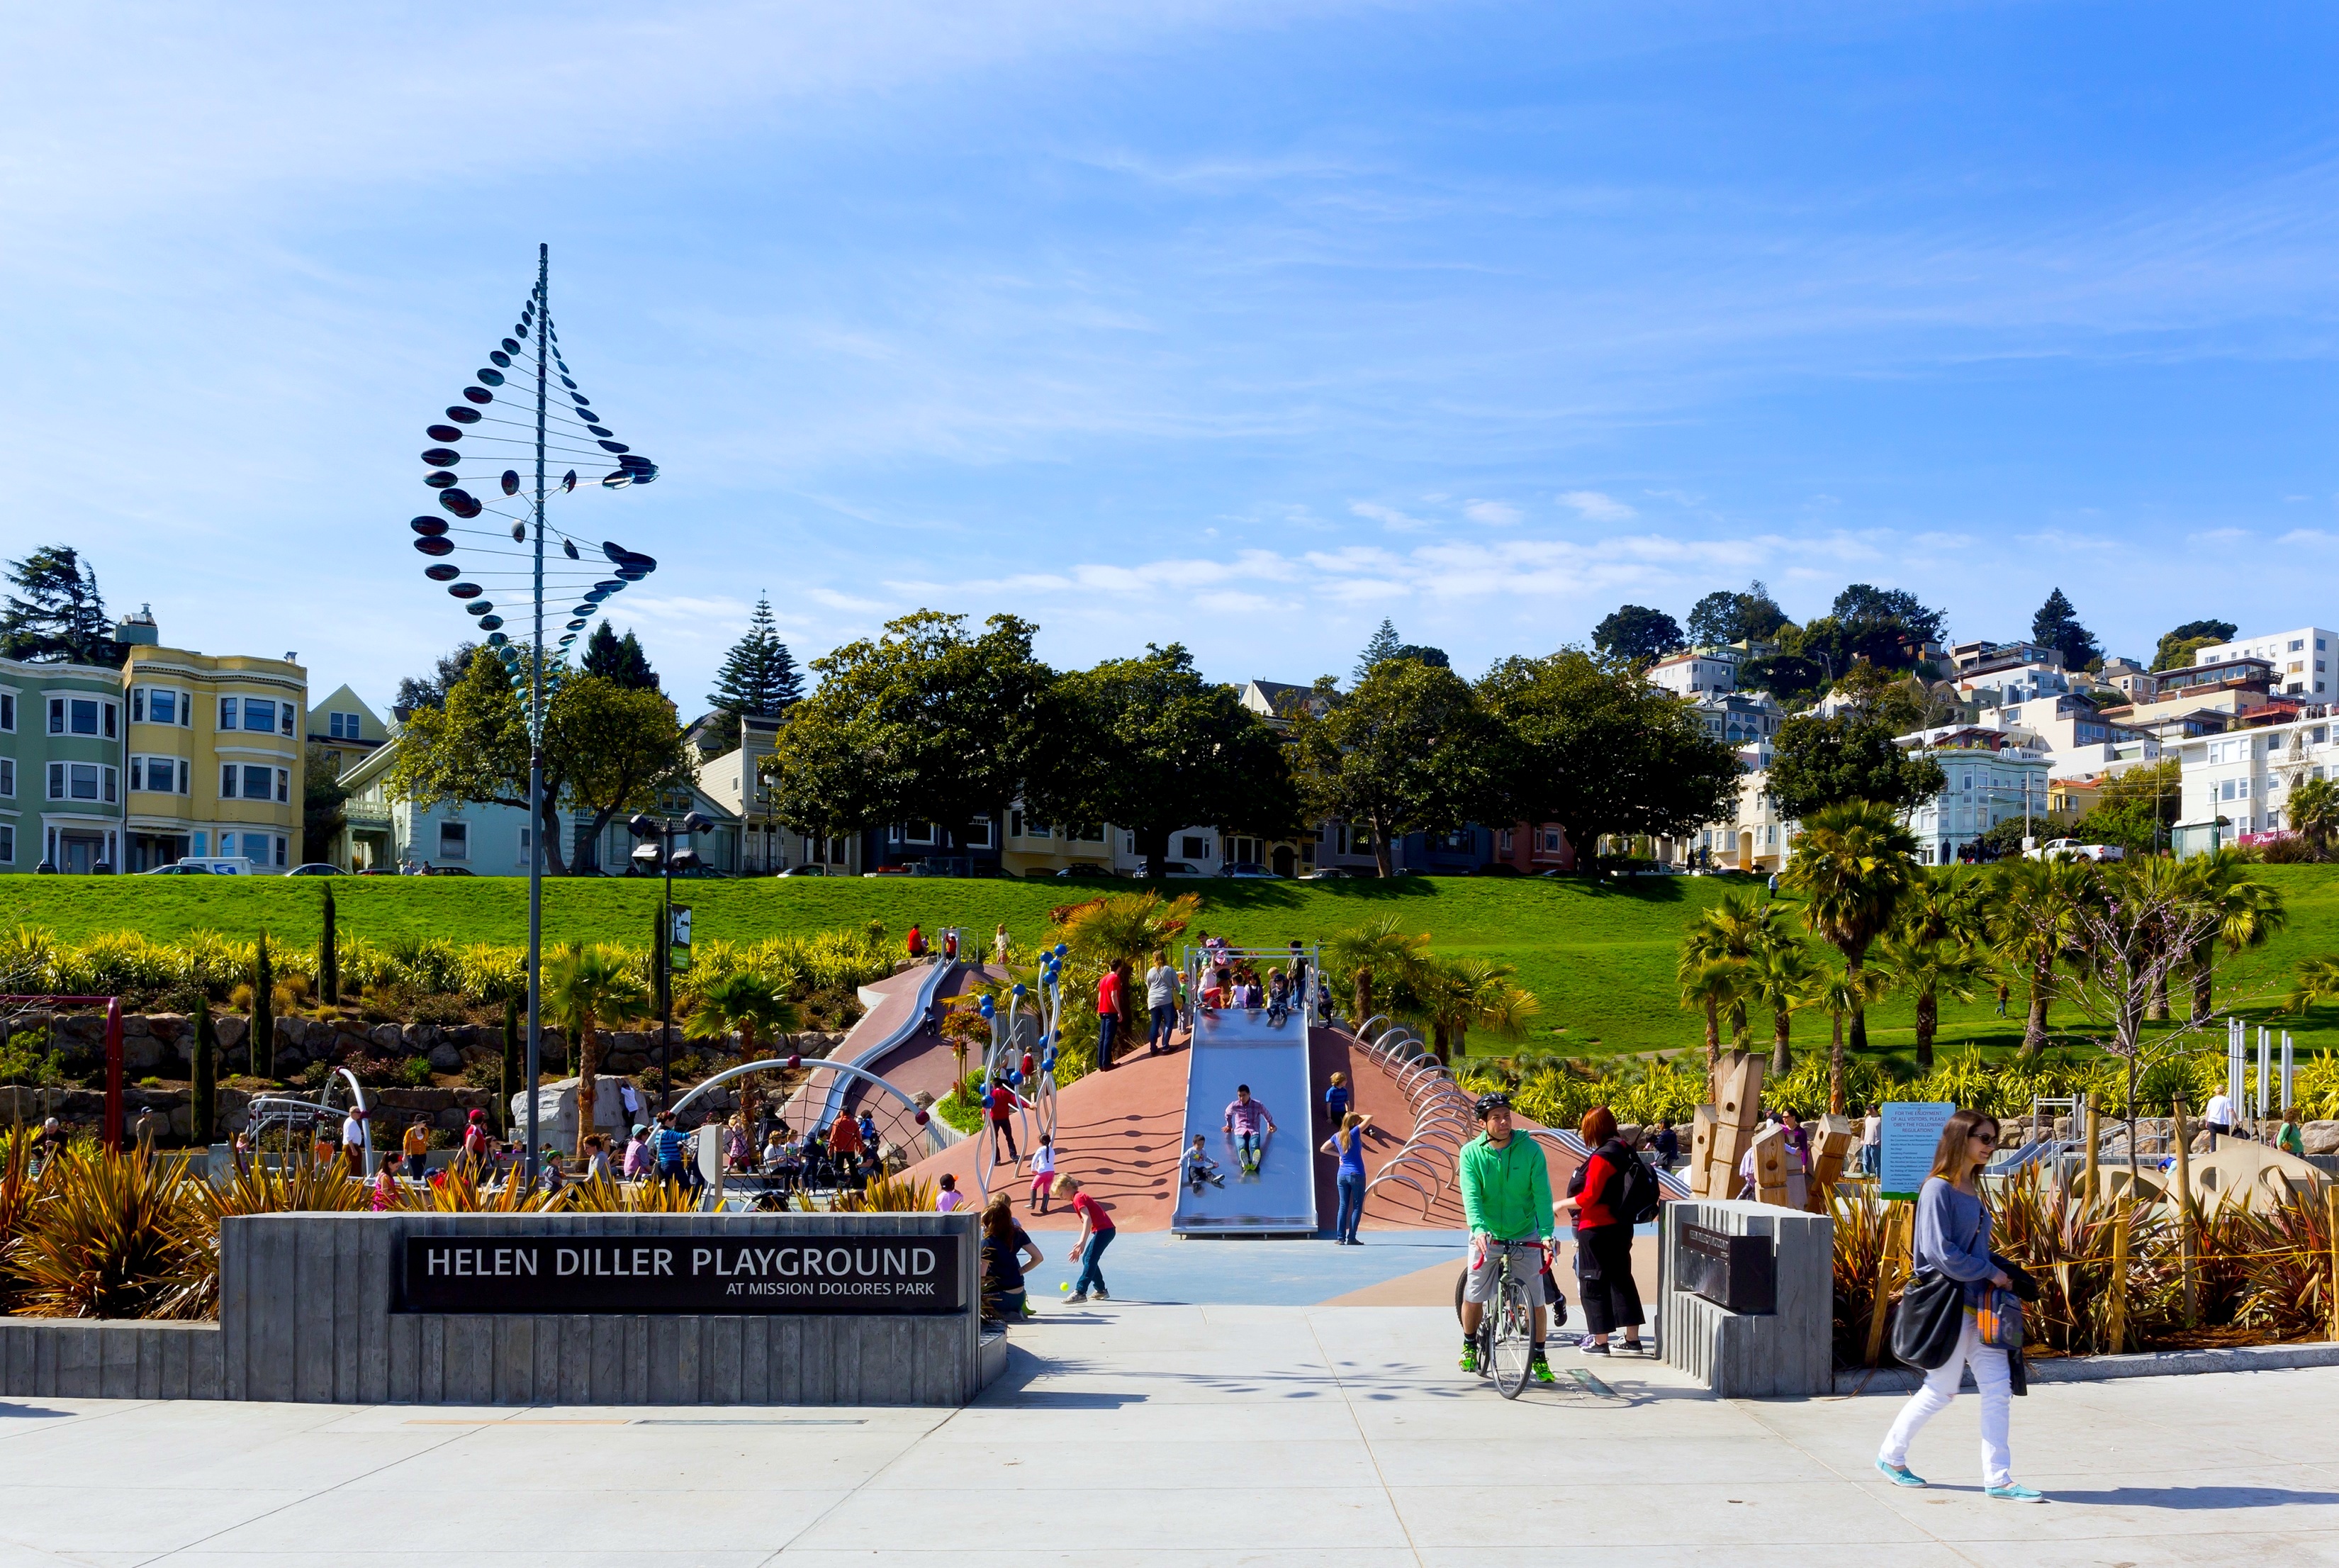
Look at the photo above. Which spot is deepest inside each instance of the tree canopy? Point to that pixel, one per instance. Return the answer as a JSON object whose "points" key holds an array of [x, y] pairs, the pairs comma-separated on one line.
{"points": [[759, 675], [56, 611], [2056, 625], [1816, 763], [1722, 617], [1638, 632], [926, 722], [430, 691], [607, 749], [619, 660], [1160, 748], [1409, 750], [2179, 644], [1590, 745]]}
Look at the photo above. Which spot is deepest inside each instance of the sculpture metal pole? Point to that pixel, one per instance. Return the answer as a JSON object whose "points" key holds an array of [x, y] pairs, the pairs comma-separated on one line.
{"points": [[536, 732]]}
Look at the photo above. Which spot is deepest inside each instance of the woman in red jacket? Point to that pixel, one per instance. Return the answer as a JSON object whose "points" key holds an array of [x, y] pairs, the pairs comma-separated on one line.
{"points": [[1604, 1239]]}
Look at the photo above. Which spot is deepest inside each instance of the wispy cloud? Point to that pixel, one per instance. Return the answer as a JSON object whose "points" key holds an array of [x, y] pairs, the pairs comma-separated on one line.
{"points": [[1593, 506], [1389, 517], [1495, 514]]}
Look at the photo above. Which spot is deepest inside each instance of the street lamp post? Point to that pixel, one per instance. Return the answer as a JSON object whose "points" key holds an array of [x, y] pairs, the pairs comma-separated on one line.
{"points": [[656, 853]]}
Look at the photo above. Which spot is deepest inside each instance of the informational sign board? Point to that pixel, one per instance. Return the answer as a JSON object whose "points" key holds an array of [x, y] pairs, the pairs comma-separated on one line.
{"points": [[686, 1274], [678, 960], [1912, 1133], [1739, 1273]]}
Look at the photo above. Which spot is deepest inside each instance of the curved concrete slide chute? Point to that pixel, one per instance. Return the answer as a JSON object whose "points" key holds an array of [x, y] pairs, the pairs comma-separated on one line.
{"points": [[940, 1134], [1232, 1046], [913, 1020], [285, 1108]]}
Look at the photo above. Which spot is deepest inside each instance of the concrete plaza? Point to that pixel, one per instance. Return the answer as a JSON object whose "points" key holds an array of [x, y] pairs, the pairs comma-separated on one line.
{"points": [[1130, 1434]]}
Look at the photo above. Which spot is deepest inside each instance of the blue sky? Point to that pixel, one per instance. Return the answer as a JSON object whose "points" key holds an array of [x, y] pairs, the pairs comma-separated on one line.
{"points": [[1240, 324]]}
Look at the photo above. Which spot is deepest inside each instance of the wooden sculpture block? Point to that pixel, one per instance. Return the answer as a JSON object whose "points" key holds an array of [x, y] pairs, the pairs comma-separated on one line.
{"points": [[1738, 1088], [1700, 1152], [1831, 1143], [1770, 1166]]}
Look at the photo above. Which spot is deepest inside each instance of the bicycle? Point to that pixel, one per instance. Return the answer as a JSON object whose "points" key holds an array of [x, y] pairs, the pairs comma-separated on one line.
{"points": [[1505, 1335]]}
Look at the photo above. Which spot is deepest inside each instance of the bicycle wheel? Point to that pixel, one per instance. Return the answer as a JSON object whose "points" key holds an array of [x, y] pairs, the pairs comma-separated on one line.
{"points": [[1513, 1316]]}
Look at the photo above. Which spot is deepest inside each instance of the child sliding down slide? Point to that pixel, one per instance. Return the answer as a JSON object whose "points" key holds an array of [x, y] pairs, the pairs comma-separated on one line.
{"points": [[1200, 1167]]}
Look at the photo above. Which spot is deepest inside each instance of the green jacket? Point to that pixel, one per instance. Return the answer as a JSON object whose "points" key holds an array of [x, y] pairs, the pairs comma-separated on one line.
{"points": [[1506, 1191]]}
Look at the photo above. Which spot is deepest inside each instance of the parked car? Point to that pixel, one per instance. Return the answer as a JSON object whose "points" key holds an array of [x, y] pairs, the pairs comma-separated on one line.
{"points": [[805, 871], [1494, 868], [449, 871], [2072, 849], [1248, 871], [1330, 873], [181, 868], [1084, 868], [1176, 868], [316, 868]]}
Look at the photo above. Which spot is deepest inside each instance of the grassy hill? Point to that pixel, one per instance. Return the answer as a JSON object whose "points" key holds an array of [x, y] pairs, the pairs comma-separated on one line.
{"points": [[1600, 958]]}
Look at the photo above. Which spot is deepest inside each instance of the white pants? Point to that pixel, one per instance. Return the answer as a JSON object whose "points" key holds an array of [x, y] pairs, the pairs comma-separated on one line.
{"points": [[1990, 1375]]}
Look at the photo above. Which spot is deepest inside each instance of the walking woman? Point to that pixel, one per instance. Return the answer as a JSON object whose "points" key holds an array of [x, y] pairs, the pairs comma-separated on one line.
{"points": [[1604, 1237], [1347, 1146], [1096, 1235], [1952, 1240]]}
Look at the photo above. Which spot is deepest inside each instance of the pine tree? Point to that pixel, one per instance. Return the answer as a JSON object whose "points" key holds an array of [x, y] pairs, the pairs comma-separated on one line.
{"points": [[759, 675], [2057, 625], [259, 1046], [619, 660], [202, 1086], [1385, 645], [329, 955], [57, 612]]}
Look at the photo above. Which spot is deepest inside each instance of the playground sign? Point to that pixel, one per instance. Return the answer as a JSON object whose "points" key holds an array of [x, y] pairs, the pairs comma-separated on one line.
{"points": [[1912, 1132], [682, 1274]]}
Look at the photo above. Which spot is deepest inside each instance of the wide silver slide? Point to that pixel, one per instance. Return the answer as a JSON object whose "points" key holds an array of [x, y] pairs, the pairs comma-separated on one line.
{"points": [[1235, 1046]]}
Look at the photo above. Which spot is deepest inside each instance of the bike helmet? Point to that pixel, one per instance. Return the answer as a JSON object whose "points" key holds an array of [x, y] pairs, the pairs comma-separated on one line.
{"points": [[1489, 1103]]}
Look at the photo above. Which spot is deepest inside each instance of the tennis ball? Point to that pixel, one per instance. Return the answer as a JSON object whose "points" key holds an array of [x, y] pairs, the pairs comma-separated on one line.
{"points": [[1065, 1286]]}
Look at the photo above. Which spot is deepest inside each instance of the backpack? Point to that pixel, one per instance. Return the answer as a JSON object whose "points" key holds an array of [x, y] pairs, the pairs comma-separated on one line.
{"points": [[1637, 1194]]}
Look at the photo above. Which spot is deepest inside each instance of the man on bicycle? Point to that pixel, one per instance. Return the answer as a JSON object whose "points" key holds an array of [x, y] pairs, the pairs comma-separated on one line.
{"points": [[1507, 1202]]}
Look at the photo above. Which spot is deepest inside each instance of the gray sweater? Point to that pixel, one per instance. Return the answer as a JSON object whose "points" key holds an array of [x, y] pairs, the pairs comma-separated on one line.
{"points": [[1953, 1233]]}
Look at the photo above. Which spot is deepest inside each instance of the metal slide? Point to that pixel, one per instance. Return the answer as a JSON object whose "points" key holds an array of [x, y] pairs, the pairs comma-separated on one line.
{"points": [[1237, 1045]]}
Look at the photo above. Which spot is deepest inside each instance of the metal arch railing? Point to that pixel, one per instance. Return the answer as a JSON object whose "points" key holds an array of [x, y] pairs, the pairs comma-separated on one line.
{"points": [[287, 1108], [940, 1134]]}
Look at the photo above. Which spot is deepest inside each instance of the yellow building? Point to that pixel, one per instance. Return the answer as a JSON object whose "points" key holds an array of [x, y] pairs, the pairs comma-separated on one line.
{"points": [[213, 754]]}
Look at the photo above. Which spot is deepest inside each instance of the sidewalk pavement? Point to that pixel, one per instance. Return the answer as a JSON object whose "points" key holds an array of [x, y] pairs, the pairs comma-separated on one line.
{"points": [[1192, 1435]]}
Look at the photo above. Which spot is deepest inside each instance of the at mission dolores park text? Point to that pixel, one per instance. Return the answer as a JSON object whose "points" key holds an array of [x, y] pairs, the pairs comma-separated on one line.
{"points": [[687, 1274]]}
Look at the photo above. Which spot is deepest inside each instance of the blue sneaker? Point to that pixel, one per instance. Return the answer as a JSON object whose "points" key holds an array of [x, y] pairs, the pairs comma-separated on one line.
{"points": [[2010, 1492], [1902, 1476]]}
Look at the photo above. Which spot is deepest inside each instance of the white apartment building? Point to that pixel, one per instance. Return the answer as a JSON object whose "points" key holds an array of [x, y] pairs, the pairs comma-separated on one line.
{"points": [[2074, 735], [2300, 658], [1754, 838], [1698, 673], [2244, 777], [1991, 777]]}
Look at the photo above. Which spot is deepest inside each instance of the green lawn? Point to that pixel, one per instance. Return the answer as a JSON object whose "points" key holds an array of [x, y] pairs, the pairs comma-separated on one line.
{"points": [[1599, 958]]}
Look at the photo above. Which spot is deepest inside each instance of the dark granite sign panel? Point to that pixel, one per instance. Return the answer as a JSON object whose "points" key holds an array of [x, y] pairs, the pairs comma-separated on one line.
{"points": [[682, 1274], [1740, 1273]]}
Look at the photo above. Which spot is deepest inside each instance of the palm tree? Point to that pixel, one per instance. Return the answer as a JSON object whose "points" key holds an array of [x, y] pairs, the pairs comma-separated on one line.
{"points": [[1737, 927], [752, 1005], [2317, 982], [2248, 912], [2313, 808], [1126, 928], [1930, 969], [1374, 954], [585, 988], [1779, 976], [1843, 993], [2035, 901], [1461, 994], [1854, 865], [1712, 984]]}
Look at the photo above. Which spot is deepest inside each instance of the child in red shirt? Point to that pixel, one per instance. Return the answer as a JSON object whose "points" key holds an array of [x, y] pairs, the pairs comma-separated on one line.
{"points": [[1096, 1235]]}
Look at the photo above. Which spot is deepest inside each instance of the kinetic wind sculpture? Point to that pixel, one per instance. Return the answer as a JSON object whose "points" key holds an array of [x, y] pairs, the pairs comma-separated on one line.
{"points": [[1032, 1079], [513, 417]]}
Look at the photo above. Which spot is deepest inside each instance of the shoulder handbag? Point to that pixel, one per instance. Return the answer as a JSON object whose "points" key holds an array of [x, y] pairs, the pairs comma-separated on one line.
{"points": [[1929, 1320]]}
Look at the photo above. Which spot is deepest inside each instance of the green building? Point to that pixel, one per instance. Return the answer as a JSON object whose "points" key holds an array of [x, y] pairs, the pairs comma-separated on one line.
{"points": [[61, 761]]}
